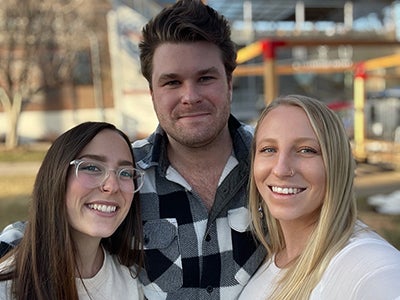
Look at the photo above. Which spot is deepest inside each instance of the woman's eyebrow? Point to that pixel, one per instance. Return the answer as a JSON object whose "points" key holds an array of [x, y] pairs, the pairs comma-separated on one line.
{"points": [[103, 159]]}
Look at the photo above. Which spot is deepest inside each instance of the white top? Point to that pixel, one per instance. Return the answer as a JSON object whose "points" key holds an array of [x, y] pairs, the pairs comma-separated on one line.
{"points": [[368, 267], [112, 282]]}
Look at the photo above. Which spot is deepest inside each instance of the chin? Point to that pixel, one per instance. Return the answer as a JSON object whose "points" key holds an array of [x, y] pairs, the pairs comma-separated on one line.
{"points": [[103, 233]]}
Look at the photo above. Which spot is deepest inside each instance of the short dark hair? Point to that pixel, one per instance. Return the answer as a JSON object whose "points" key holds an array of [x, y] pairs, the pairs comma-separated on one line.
{"points": [[187, 21]]}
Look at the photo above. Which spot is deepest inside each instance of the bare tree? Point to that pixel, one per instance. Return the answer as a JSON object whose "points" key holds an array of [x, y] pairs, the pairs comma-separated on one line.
{"points": [[38, 44]]}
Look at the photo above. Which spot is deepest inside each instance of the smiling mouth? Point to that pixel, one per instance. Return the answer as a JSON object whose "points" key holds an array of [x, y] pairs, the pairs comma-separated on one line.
{"points": [[286, 190], [194, 114], [103, 208]]}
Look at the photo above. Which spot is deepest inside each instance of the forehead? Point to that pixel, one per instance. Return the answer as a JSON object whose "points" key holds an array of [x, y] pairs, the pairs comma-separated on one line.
{"points": [[184, 57], [108, 143], [286, 121]]}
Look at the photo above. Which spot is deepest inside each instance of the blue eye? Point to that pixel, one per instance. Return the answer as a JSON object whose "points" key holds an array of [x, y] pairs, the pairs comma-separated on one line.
{"points": [[126, 174], [308, 150], [91, 168], [268, 150]]}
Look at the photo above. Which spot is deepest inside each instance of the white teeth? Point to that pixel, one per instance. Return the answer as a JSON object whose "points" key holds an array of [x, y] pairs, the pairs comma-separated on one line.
{"points": [[285, 191], [103, 207]]}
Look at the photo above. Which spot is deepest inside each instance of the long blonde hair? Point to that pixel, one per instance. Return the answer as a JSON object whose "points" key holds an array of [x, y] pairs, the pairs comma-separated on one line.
{"points": [[338, 212]]}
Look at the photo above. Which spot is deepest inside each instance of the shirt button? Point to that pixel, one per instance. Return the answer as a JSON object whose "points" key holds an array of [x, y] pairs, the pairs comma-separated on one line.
{"points": [[209, 289], [208, 238]]}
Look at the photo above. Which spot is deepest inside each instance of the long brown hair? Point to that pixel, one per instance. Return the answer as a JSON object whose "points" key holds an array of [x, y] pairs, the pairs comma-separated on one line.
{"points": [[44, 264]]}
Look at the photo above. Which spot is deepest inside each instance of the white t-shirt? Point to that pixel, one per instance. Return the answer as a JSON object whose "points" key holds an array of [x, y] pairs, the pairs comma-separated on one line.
{"points": [[368, 267], [112, 282]]}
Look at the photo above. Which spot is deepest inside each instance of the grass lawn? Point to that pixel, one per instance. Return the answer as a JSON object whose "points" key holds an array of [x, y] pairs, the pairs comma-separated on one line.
{"points": [[23, 154], [14, 198]]}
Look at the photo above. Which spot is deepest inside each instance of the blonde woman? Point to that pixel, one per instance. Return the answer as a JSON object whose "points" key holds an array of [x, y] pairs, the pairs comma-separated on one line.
{"points": [[301, 189]]}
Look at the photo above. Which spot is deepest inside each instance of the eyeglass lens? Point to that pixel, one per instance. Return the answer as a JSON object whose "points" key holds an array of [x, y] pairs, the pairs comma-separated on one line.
{"points": [[93, 174]]}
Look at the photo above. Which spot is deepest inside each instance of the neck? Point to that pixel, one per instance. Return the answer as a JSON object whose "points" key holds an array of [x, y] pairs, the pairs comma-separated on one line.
{"points": [[205, 156], [90, 256], [296, 238], [202, 167]]}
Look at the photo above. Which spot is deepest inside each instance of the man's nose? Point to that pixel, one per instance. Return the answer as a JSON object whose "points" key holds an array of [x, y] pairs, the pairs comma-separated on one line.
{"points": [[191, 93]]}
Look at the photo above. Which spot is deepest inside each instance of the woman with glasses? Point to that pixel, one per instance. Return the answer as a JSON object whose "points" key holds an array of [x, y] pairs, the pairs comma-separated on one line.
{"points": [[84, 234]]}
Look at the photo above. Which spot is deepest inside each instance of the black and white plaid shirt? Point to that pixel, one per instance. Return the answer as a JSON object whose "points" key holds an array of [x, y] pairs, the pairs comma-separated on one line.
{"points": [[190, 253]]}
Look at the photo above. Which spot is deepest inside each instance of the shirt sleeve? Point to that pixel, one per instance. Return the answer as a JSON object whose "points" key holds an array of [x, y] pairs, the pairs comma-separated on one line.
{"points": [[366, 269], [382, 283], [11, 236]]}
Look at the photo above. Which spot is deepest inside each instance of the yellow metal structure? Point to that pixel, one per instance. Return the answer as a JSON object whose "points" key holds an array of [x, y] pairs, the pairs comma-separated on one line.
{"points": [[270, 72], [359, 118], [249, 52]]}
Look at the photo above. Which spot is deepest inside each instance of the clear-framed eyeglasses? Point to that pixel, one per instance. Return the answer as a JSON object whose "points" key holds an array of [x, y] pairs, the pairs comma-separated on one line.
{"points": [[92, 174]]}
